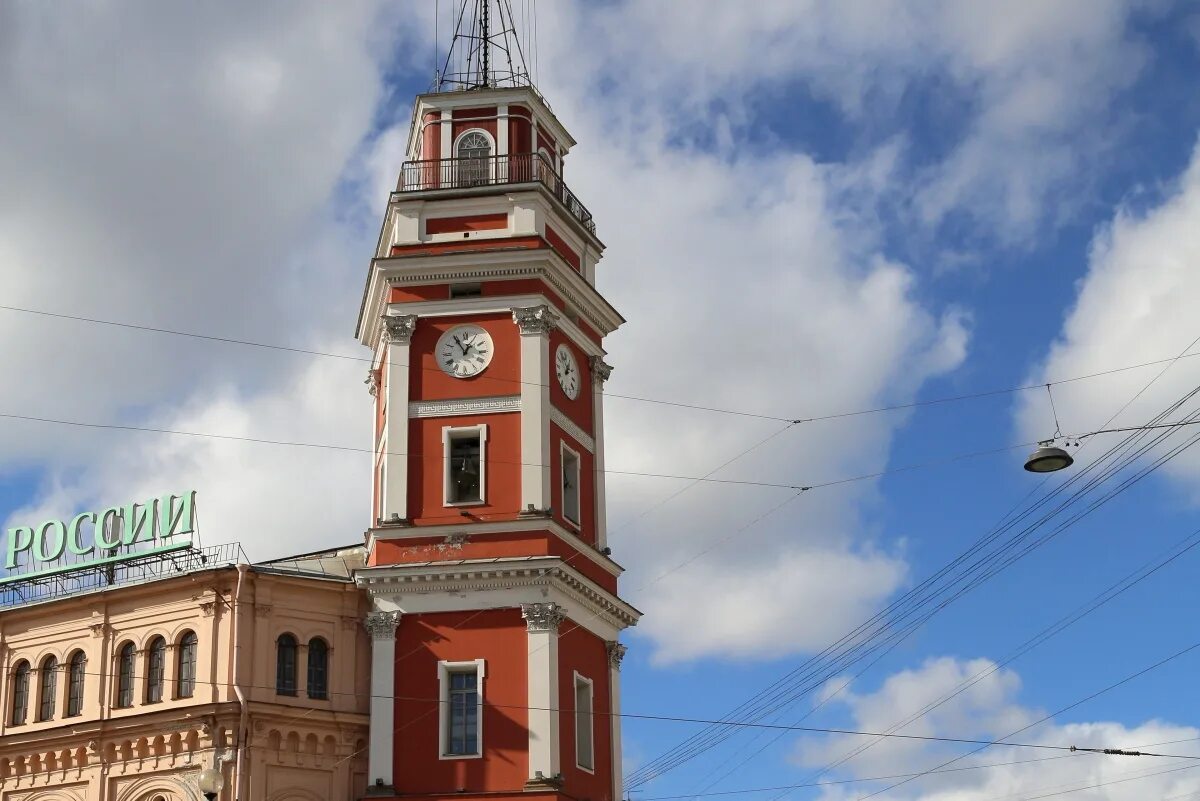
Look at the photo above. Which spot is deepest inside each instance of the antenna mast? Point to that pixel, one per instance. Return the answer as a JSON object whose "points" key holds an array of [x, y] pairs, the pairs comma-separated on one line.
{"points": [[469, 62]]}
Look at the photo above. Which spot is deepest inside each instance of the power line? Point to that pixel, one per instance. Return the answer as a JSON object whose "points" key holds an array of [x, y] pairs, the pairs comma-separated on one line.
{"points": [[860, 643], [638, 398]]}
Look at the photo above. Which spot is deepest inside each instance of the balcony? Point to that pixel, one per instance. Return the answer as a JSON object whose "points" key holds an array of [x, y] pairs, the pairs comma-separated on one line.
{"points": [[471, 172]]}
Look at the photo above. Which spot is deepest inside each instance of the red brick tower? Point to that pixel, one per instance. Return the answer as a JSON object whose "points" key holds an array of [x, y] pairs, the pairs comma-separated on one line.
{"points": [[495, 654]]}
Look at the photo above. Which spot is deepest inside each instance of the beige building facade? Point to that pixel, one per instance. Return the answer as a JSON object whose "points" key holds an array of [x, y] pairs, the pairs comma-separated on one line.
{"points": [[128, 692]]}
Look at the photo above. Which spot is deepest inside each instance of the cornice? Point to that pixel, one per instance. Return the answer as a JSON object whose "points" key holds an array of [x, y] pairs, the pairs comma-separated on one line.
{"points": [[469, 576], [544, 265]]}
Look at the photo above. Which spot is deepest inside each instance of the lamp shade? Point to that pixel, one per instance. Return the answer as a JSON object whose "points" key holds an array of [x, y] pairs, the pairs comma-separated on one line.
{"points": [[1048, 459], [211, 781]]}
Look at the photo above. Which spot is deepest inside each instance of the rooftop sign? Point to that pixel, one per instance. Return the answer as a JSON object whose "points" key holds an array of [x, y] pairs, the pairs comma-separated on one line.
{"points": [[115, 534]]}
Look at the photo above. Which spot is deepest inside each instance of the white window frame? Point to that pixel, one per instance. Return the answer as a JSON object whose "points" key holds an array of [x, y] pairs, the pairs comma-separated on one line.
{"points": [[449, 434], [581, 680], [563, 450], [445, 668]]}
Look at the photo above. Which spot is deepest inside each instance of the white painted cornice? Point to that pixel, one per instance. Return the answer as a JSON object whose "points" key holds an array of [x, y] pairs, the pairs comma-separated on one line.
{"points": [[497, 583]]}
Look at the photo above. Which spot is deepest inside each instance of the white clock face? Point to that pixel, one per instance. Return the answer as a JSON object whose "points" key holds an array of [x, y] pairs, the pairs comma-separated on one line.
{"points": [[464, 351], [567, 370]]}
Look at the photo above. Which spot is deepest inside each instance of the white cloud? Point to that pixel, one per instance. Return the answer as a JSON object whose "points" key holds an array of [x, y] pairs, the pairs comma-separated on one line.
{"points": [[1134, 305], [196, 185], [989, 709]]}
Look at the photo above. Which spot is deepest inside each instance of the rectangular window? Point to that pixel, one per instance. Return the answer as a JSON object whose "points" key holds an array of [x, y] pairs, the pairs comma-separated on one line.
{"points": [[570, 484], [464, 455], [381, 512], [473, 290], [585, 756], [461, 695]]}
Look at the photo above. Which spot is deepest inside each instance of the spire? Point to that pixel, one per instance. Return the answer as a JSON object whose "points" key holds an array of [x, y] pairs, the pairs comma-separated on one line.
{"points": [[488, 47]]}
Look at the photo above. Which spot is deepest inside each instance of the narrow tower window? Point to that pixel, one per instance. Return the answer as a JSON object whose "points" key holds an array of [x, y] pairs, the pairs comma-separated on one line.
{"points": [[125, 676], [75, 684], [187, 666], [465, 459], [48, 687], [570, 485], [318, 669], [156, 664], [461, 694], [584, 753], [285, 665], [20, 703]]}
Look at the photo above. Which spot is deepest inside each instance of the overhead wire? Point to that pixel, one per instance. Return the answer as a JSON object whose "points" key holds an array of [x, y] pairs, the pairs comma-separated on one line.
{"points": [[637, 398], [1008, 520], [870, 632]]}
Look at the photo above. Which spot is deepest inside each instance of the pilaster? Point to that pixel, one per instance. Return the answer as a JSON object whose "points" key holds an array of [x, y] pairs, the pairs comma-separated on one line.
{"points": [[600, 370], [536, 323], [381, 626], [397, 334], [542, 621], [616, 652]]}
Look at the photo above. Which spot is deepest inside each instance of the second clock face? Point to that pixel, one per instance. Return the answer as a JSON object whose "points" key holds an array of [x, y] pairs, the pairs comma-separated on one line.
{"points": [[464, 351], [567, 370]]}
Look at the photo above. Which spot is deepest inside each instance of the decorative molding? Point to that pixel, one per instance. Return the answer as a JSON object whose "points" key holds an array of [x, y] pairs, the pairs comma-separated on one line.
{"points": [[207, 608], [458, 406], [398, 328], [469, 576], [543, 616], [535, 320], [100, 629], [262, 610], [382, 625], [601, 369], [372, 383], [616, 652], [567, 424]]}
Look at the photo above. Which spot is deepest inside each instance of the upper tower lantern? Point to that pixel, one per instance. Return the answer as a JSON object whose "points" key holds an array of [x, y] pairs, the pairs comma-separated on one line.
{"points": [[496, 619]]}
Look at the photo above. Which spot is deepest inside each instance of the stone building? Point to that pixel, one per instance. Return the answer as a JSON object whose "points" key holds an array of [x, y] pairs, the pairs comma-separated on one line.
{"points": [[127, 693]]}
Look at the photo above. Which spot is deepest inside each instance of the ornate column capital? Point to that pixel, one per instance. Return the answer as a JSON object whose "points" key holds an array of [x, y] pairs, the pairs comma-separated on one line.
{"points": [[535, 319], [372, 382], [398, 328], [382, 625], [543, 616], [616, 652], [601, 369]]}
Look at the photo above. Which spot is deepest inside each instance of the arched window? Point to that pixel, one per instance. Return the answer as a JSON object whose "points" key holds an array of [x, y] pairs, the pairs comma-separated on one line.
{"points": [[125, 659], [47, 688], [318, 669], [285, 665], [75, 684], [187, 665], [156, 663], [20, 707], [473, 152]]}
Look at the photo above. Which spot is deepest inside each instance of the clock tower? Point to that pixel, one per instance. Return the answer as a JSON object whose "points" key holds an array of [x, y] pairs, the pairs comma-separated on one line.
{"points": [[495, 617]]}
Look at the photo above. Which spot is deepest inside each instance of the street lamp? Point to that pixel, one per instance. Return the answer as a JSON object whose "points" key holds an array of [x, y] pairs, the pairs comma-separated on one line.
{"points": [[211, 782], [1048, 458]]}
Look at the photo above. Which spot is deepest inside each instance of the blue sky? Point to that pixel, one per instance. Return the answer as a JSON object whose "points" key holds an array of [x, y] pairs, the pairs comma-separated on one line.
{"points": [[909, 200]]}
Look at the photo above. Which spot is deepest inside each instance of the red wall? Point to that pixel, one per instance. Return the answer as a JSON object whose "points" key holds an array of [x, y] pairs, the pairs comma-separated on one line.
{"points": [[461, 121], [491, 546], [502, 376], [421, 641], [562, 248], [580, 650], [502, 490]]}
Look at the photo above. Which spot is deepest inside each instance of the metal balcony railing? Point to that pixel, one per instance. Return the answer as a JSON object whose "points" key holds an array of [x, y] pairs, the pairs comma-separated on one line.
{"points": [[515, 168]]}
